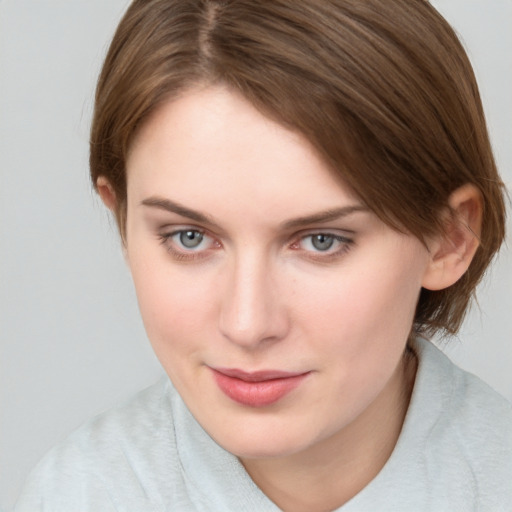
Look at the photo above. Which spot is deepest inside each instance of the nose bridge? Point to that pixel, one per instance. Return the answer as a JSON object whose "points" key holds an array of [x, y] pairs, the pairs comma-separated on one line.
{"points": [[250, 311]]}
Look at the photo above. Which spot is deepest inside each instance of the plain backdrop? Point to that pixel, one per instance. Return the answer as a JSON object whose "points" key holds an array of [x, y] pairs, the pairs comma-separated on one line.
{"points": [[72, 343]]}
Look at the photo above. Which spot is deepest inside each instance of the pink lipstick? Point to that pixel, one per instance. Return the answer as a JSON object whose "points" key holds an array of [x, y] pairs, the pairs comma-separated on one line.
{"points": [[256, 389]]}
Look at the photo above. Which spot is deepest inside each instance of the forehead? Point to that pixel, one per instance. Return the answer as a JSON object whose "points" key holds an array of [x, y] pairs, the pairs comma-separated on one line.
{"points": [[212, 143]]}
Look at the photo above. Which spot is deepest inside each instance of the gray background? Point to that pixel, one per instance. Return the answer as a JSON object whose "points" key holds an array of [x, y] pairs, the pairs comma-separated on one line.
{"points": [[71, 340]]}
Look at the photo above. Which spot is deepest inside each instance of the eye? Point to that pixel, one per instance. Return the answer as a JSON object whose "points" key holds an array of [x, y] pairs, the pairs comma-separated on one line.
{"points": [[322, 242], [188, 244], [190, 239], [321, 246]]}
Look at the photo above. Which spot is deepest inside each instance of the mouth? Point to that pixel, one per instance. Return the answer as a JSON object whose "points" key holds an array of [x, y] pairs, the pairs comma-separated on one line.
{"points": [[257, 389]]}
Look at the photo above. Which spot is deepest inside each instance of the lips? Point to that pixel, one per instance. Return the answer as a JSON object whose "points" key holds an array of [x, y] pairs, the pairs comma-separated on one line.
{"points": [[256, 389]]}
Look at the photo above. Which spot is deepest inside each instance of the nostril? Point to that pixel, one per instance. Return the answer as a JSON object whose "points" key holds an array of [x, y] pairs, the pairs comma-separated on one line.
{"points": [[250, 323]]}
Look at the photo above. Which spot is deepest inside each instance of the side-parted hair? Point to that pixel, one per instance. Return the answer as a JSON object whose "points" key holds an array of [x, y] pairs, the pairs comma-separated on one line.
{"points": [[383, 90]]}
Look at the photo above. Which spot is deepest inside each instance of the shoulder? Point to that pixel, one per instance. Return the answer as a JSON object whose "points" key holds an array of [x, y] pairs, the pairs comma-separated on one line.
{"points": [[464, 403], [455, 448], [468, 442], [119, 455]]}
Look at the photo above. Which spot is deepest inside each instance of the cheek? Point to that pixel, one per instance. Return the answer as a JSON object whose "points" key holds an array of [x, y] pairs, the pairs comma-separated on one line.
{"points": [[366, 308], [175, 303]]}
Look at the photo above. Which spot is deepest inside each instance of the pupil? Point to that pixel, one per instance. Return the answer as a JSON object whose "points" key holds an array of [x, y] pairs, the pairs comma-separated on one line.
{"points": [[191, 239], [322, 242]]}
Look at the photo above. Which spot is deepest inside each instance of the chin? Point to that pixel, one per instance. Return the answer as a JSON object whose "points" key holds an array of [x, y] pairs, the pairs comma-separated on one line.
{"points": [[264, 450], [253, 441]]}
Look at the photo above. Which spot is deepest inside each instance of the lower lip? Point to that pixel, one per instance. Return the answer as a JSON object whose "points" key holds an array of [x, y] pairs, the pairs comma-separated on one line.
{"points": [[257, 394]]}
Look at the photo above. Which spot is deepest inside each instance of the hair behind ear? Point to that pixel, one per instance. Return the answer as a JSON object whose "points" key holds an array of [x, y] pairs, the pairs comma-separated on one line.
{"points": [[453, 250]]}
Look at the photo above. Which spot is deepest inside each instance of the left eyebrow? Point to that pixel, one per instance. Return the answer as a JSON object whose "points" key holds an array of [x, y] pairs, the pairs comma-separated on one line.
{"points": [[325, 216]]}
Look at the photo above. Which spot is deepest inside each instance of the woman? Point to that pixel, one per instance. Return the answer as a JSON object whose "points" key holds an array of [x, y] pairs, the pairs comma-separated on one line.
{"points": [[304, 191]]}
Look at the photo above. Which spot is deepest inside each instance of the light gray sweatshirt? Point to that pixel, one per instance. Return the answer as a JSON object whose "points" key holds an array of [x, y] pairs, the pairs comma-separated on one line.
{"points": [[454, 454]]}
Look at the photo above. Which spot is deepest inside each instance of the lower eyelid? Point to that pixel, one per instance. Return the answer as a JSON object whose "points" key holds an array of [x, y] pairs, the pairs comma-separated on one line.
{"points": [[327, 257]]}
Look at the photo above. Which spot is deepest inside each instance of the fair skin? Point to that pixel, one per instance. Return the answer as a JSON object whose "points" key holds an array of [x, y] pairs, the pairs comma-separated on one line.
{"points": [[248, 253]]}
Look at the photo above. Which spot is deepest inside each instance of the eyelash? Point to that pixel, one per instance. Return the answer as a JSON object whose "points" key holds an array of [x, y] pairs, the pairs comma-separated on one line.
{"points": [[182, 254], [344, 244]]}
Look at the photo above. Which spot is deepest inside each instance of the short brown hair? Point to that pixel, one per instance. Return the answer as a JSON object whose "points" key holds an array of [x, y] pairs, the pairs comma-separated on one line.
{"points": [[383, 90]]}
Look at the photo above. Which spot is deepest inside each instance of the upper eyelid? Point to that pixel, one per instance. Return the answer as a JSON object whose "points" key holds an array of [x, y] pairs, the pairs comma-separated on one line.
{"points": [[173, 232], [176, 228], [173, 228], [327, 230], [170, 231], [336, 233]]}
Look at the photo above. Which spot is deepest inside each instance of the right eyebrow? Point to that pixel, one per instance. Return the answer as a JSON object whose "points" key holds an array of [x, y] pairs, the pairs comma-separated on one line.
{"points": [[173, 207]]}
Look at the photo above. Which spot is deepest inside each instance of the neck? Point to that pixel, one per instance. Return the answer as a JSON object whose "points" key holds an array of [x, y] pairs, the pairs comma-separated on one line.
{"points": [[327, 475]]}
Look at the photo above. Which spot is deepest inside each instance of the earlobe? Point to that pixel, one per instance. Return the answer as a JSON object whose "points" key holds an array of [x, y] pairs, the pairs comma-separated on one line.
{"points": [[107, 193], [451, 252]]}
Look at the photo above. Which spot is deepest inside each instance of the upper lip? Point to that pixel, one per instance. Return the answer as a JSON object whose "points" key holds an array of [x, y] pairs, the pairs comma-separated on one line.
{"points": [[258, 376]]}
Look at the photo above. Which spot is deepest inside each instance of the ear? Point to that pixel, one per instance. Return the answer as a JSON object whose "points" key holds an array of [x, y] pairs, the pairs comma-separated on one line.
{"points": [[108, 196], [452, 251], [106, 192]]}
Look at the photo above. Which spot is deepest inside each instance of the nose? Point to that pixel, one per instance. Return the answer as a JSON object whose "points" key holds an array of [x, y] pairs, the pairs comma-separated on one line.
{"points": [[252, 311]]}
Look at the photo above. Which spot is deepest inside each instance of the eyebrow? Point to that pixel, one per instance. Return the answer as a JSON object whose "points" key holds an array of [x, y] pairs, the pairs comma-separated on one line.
{"points": [[173, 207], [325, 216], [316, 218]]}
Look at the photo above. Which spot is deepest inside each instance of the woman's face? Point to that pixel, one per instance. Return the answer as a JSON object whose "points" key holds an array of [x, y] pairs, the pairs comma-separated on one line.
{"points": [[278, 304]]}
